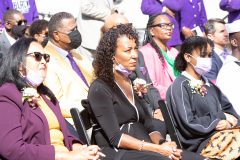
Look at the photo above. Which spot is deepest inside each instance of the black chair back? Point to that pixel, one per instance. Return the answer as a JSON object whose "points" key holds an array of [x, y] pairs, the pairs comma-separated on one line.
{"points": [[170, 122], [82, 123]]}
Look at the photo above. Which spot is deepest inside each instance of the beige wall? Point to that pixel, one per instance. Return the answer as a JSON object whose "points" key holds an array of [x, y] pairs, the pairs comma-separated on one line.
{"points": [[213, 10], [72, 6]]}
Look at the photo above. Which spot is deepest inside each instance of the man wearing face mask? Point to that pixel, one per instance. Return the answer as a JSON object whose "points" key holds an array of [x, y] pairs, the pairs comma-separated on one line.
{"points": [[69, 73], [15, 26]]}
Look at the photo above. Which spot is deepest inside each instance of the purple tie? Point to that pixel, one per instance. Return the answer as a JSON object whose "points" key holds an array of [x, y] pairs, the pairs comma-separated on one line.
{"points": [[224, 55], [75, 67]]}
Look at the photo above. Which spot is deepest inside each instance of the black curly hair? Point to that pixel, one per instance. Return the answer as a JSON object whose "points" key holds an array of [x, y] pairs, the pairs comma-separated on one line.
{"points": [[103, 63], [148, 37], [188, 46], [37, 27]]}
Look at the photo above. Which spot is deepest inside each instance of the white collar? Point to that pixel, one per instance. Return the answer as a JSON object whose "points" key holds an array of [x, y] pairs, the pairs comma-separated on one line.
{"points": [[61, 51], [196, 81], [11, 39], [219, 51]]}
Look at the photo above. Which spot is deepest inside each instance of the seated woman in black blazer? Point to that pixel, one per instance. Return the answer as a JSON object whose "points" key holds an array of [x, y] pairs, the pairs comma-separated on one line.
{"points": [[125, 127]]}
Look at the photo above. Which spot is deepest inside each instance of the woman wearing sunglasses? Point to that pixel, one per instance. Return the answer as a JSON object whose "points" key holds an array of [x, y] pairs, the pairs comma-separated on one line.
{"points": [[159, 58], [31, 123], [39, 30]]}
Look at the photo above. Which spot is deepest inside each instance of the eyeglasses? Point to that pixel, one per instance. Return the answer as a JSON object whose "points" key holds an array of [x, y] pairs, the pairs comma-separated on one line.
{"points": [[46, 34], [19, 23], [38, 56], [164, 25], [68, 32]]}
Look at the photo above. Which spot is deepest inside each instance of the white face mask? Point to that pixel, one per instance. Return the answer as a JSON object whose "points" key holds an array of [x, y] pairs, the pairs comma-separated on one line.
{"points": [[203, 66], [121, 69], [32, 78]]}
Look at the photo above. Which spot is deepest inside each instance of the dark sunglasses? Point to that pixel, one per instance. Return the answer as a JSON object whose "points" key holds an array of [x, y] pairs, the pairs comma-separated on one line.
{"points": [[45, 35], [19, 23], [38, 56], [164, 25]]}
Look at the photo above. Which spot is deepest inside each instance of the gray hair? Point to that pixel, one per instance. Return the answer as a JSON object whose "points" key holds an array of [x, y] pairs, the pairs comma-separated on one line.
{"points": [[56, 22], [209, 25]]}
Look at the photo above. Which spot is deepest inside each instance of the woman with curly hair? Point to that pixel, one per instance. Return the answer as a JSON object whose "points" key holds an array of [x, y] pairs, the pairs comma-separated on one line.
{"points": [[205, 120], [124, 127], [159, 58], [39, 30]]}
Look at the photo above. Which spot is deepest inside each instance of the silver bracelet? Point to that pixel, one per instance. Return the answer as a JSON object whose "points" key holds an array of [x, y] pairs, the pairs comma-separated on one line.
{"points": [[140, 149]]}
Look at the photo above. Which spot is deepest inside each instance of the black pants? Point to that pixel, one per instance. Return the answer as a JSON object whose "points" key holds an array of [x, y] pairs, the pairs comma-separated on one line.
{"points": [[148, 155], [160, 126], [71, 129]]}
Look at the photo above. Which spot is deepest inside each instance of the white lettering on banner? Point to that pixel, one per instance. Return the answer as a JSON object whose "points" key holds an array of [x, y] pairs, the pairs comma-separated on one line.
{"points": [[199, 4], [21, 5]]}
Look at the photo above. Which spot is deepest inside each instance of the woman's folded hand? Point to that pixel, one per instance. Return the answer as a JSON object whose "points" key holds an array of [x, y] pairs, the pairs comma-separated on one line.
{"points": [[230, 118], [176, 155], [223, 124], [84, 153], [169, 149]]}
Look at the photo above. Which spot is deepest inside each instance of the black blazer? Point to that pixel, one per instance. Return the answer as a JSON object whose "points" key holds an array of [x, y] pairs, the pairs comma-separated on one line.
{"points": [[216, 66], [4, 43], [152, 96]]}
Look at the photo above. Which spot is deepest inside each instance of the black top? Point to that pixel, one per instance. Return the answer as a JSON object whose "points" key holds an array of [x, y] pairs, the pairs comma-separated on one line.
{"points": [[216, 66], [196, 116], [117, 115], [152, 97]]}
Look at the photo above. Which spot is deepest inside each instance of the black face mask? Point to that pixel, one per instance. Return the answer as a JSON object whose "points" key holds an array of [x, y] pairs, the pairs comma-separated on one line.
{"points": [[75, 39], [18, 31], [45, 41]]}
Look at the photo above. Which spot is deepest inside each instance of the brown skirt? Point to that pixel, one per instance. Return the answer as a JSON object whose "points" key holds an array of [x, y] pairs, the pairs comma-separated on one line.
{"points": [[224, 145]]}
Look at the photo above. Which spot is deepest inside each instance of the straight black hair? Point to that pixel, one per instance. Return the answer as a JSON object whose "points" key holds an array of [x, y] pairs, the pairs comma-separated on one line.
{"points": [[11, 61]]}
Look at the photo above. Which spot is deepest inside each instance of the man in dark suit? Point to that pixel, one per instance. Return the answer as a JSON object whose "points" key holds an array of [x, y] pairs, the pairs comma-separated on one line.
{"points": [[216, 31], [152, 97], [15, 26]]}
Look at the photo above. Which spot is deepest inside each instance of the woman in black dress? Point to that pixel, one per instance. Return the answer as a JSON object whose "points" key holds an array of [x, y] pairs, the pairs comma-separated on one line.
{"points": [[125, 129], [205, 119]]}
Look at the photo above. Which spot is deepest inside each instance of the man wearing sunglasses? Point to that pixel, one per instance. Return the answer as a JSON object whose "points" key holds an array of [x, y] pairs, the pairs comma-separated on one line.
{"points": [[27, 7], [15, 26], [69, 73]]}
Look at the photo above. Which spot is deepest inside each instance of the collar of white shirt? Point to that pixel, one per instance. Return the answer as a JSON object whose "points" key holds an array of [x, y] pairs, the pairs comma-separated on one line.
{"points": [[11, 40], [62, 52], [223, 54], [196, 81]]}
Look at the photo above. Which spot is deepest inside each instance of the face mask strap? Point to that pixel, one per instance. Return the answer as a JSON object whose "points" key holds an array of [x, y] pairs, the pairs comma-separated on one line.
{"points": [[191, 56], [116, 60], [21, 74], [25, 66]]}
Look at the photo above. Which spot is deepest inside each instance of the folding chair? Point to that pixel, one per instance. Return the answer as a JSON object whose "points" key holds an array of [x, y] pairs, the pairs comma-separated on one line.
{"points": [[170, 122], [82, 123]]}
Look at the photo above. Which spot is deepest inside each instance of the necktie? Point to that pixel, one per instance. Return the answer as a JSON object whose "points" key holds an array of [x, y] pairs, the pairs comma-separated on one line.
{"points": [[75, 67]]}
